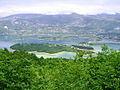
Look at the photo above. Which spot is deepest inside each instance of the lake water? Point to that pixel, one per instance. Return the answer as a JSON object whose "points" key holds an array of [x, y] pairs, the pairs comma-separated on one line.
{"points": [[4, 44], [7, 45], [59, 55], [111, 44], [97, 48]]}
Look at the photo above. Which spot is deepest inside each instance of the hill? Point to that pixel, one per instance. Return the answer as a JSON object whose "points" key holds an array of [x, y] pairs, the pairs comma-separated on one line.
{"points": [[51, 48], [60, 27]]}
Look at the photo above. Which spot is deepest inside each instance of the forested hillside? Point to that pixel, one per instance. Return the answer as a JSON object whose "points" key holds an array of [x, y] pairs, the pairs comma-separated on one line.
{"points": [[60, 27], [20, 70], [51, 48]]}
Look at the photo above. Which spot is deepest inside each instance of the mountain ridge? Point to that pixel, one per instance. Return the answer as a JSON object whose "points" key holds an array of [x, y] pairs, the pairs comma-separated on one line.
{"points": [[90, 26]]}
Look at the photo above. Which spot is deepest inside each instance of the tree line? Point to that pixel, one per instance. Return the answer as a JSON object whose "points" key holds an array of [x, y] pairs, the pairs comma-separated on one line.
{"points": [[20, 70]]}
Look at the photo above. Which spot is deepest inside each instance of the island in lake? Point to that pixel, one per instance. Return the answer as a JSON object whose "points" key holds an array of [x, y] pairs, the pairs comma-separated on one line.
{"points": [[49, 48]]}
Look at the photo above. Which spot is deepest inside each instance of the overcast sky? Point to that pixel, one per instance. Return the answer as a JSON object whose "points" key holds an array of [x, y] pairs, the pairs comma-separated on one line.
{"points": [[8, 7]]}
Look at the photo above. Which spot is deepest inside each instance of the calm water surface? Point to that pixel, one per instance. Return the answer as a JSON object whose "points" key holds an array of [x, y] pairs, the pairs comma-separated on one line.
{"points": [[111, 44]]}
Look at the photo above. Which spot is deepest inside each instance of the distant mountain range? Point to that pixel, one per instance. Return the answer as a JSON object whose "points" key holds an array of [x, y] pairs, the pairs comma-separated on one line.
{"points": [[59, 27]]}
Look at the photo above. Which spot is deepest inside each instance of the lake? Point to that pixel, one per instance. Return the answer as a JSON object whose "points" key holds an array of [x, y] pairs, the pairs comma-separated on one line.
{"points": [[4, 44], [58, 55], [111, 44]]}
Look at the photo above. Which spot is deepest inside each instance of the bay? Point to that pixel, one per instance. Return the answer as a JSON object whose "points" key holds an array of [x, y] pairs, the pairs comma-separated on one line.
{"points": [[111, 44]]}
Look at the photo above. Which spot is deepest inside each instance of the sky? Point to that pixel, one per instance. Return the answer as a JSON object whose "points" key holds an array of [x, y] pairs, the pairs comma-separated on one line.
{"points": [[9, 7]]}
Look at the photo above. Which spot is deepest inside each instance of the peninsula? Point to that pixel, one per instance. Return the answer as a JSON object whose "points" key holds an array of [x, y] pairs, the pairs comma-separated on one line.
{"points": [[47, 48]]}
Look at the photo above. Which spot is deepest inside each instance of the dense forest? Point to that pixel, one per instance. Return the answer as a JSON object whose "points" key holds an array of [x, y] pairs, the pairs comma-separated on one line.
{"points": [[83, 47], [20, 70], [48, 48]]}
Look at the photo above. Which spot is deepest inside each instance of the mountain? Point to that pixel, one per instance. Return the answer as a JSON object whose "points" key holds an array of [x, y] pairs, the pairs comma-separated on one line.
{"points": [[59, 27]]}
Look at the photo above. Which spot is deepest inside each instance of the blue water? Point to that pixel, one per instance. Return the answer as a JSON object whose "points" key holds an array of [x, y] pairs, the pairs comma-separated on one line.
{"points": [[111, 44], [4, 44], [64, 42]]}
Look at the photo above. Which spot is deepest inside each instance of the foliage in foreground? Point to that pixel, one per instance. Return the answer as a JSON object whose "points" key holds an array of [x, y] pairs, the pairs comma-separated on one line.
{"points": [[23, 71]]}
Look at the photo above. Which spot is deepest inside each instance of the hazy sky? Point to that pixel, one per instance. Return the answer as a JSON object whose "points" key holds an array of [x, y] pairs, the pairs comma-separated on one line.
{"points": [[8, 7]]}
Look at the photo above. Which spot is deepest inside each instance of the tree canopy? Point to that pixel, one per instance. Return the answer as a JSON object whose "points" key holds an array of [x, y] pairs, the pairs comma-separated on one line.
{"points": [[20, 70]]}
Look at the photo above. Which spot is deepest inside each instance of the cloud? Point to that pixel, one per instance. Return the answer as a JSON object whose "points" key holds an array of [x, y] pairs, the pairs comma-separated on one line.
{"points": [[8, 7]]}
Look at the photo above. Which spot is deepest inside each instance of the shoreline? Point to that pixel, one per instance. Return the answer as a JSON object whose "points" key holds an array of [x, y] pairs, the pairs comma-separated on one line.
{"points": [[51, 53], [48, 55], [55, 53], [62, 52]]}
